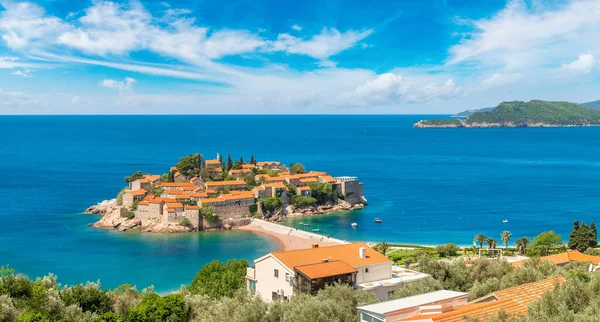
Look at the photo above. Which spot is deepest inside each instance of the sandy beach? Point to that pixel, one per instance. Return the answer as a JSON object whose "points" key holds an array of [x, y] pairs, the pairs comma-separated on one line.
{"points": [[290, 238]]}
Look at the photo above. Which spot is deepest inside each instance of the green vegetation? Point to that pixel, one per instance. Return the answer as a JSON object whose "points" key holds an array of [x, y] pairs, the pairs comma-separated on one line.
{"points": [[505, 236], [270, 205], [322, 192], [126, 213], [583, 236], [6, 270], [135, 176], [120, 196], [297, 168], [382, 247], [253, 208], [303, 201], [134, 205], [217, 280], [190, 166], [544, 243], [442, 122], [448, 250], [532, 112], [185, 222]]}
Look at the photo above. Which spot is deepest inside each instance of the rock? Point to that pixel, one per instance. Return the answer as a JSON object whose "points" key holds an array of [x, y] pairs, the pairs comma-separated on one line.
{"points": [[227, 226], [129, 224], [102, 207]]}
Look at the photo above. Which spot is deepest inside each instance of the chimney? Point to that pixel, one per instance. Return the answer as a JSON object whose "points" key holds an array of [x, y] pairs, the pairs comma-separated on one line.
{"points": [[315, 245], [362, 252]]}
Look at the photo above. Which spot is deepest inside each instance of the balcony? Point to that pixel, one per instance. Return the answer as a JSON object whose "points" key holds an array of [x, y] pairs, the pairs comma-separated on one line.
{"points": [[399, 277]]}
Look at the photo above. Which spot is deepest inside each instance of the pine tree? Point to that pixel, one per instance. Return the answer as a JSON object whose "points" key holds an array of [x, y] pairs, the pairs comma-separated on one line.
{"points": [[229, 163], [573, 236], [241, 160], [594, 233], [252, 160]]}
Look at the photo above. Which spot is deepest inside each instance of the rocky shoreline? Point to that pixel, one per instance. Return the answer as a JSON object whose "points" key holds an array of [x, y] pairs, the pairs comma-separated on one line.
{"points": [[111, 218], [462, 124]]}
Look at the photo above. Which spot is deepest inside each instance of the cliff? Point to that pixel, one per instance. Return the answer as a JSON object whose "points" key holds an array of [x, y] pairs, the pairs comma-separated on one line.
{"points": [[523, 114]]}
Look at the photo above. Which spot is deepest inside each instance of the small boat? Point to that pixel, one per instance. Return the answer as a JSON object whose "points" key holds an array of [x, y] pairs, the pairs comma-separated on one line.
{"points": [[316, 230], [301, 223], [331, 226], [505, 221], [354, 224], [377, 220]]}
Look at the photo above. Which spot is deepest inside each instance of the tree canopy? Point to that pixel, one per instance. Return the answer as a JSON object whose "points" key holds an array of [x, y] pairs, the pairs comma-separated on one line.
{"points": [[322, 192], [135, 176], [583, 236], [543, 243], [217, 280], [190, 166], [297, 168]]}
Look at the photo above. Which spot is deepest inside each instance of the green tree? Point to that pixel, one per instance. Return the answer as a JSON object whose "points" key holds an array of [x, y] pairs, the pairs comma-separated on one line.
{"points": [[382, 247], [491, 242], [543, 243], [253, 208], [229, 163], [171, 176], [185, 222], [217, 280], [90, 298], [574, 236], [323, 192], [6, 270], [135, 176], [236, 165], [190, 165], [297, 168], [252, 160], [303, 201], [505, 236], [594, 234], [480, 238], [270, 205], [155, 308]]}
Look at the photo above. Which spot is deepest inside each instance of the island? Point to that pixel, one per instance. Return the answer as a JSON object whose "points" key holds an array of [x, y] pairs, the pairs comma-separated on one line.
{"points": [[534, 113], [199, 195]]}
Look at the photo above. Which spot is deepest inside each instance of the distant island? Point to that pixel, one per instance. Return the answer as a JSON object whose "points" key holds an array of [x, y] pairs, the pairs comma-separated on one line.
{"points": [[198, 194], [534, 113]]}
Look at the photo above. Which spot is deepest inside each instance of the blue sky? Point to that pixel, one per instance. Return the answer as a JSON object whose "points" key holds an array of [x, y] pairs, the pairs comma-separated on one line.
{"points": [[294, 57]]}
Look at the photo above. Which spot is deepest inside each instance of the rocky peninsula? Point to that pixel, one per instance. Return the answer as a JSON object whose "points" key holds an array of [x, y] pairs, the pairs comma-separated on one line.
{"points": [[203, 195], [522, 114]]}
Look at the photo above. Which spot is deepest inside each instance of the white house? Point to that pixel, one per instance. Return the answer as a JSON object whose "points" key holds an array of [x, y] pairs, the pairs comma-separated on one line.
{"points": [[419, 305], [278, 275]]}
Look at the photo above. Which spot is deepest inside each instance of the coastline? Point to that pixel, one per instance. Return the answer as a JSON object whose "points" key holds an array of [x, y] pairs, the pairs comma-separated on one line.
{"points": [[289, 238]]}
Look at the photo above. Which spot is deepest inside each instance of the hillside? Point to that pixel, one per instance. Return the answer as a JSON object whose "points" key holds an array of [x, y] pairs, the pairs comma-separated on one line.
{"points": [[525, 114], [595, 105], [468, 113]]}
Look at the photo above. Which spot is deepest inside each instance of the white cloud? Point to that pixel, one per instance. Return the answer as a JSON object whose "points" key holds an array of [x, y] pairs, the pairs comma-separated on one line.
{"points": [[125, 85], [389, 87], [297, 27], [8, 62], [13, 100], [519, 36], [24, 23], [76, 100], [498, 80], [583, 65], [322, 46], [24, 72]]}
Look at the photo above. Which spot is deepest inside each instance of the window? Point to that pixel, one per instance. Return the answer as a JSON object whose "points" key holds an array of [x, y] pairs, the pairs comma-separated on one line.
{"points": [[276, 273], [287, 277], [274, 296], [367, 270]]}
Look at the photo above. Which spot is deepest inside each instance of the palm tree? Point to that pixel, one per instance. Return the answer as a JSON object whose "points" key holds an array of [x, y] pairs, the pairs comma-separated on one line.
{"points": [[480, 238], [519, 243], [491, 242], [506, 235], [525, 240], [382, 247]]}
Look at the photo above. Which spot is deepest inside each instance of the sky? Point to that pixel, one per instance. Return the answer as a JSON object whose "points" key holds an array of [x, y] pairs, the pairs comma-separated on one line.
{"points": [[294, 57]]}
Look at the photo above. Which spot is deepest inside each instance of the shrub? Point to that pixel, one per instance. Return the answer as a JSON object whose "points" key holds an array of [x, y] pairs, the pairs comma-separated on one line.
{"points": [[217, 280], [120, 196], [253, 208], [126, 213], [185, 222], [303, 201], [89, 297], [271, 204]]}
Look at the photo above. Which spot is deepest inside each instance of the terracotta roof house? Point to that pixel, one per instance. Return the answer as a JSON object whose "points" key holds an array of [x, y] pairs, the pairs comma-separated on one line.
{"points": [[565, 258], [512, 301], [278, 275], [212, 163]]}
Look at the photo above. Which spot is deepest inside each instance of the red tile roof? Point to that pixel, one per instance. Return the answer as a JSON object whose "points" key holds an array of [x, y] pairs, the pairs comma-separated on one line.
{"points": [[226, 183], [176, 184], [139, 192], [325, 269]]}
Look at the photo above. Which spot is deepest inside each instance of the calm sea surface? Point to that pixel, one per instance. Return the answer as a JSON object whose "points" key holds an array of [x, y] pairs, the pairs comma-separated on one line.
{"points": [[428, 186]]}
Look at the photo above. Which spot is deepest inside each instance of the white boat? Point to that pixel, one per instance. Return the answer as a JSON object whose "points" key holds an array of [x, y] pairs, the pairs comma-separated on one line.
{"points": [[301, 223], [316, 230], [354, 224], [505, 221]]}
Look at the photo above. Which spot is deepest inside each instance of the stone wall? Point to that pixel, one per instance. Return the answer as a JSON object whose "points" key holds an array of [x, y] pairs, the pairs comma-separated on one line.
{"points": [[225, 212]]}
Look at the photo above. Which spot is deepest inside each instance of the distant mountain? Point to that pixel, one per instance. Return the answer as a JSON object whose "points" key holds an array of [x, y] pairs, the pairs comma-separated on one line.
{"points": [[593, 105], [470, 112], [524, 114]]}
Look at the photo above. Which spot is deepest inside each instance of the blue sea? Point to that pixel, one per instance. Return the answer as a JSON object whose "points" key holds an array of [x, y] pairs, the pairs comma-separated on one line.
{"points": [[428, 186]]}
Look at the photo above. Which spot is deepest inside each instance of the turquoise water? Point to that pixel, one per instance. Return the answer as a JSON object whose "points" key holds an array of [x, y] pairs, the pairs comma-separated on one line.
{"points": [[428, 186]]}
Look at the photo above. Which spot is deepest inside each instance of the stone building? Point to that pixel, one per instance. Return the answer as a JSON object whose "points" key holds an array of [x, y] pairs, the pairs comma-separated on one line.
{"points": [[271, 165], [222, 185], [231, 205], [351, 189], [304, 191], [177, 185], [133, 195], [212, 164]]}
